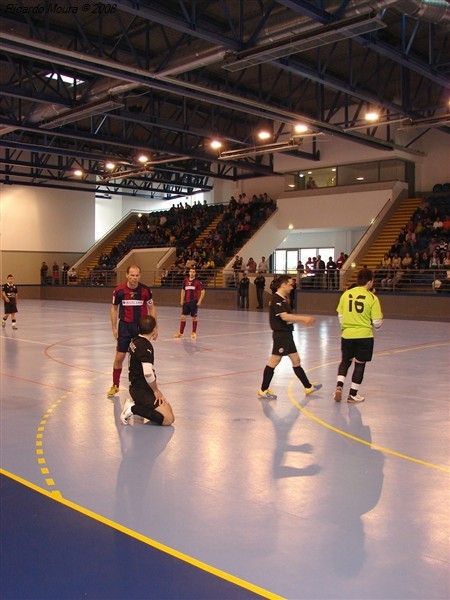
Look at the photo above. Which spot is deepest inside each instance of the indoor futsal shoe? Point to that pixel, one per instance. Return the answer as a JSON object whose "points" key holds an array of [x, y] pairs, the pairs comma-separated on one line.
{"points": [[268, 394], [193, 335], [178, 335], [314, 387], [112, 390], [355, 399], [126, 412], [14, 326], [337, 394]]}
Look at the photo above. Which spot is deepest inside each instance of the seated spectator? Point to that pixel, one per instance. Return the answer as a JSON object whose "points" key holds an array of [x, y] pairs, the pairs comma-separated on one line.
{"points": [[416, 261], [393, 281], [424, 261], [442, 283], [72, 275], [435, 262], [396, 261], [438, 224], [406, 261], [446, 261], [446, 224]]}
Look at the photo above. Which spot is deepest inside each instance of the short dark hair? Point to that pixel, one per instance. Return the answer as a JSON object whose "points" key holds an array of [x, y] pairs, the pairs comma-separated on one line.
{"points": [[146, 324], [364, 276], [278, 281], [10, 276]]}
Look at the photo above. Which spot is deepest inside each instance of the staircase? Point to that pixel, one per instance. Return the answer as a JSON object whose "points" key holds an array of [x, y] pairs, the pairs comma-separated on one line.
{"points": [[387, 237], [211, 227], [218, 280], [106, 248]]}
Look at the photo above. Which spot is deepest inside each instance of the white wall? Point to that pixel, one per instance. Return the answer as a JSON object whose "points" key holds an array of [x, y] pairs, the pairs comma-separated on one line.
{"points": [[37, 219]]}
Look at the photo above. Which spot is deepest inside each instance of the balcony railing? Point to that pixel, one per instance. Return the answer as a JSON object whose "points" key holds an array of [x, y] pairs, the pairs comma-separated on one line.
{"points": [[432, 281]]}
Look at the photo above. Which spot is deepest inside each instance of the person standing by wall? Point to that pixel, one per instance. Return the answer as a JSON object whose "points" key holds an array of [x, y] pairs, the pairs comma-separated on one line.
{"points": [[44, 273], [10, 295], [130, 302], [244, 286], [359, 311], [263, 267], [260, 284], [192, 294], [282, 324]]}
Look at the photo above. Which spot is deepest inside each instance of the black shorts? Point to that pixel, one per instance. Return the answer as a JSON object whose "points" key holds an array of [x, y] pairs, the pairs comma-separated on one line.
{"points": [[10, 308], [127, 331], [144, 397], [283, 343], [359, 348], [189, 308]]}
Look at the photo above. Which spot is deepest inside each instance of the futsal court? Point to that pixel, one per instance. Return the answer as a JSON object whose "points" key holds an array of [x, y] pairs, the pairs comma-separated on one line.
{"points": [[297, 498]]}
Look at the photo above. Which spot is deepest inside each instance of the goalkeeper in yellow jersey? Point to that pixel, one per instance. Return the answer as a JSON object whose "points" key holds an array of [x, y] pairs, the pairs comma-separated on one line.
{"points": [[359, 311]]}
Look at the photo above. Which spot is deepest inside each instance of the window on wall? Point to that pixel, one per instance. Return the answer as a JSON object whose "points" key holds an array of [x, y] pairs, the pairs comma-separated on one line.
{"points": [[285, 261]]}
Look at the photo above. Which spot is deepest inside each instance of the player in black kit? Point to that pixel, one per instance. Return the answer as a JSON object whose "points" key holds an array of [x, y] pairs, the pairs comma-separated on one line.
{"points": [[10, 295], [146, 400], [281, 322]]}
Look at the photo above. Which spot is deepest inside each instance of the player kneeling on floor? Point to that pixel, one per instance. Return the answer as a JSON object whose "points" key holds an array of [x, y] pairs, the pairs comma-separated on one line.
{"points": [[146, 400]]}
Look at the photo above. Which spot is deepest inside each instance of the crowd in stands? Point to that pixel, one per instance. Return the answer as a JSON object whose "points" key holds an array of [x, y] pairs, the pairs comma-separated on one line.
{"points": [[420, 254], [240, 219]]}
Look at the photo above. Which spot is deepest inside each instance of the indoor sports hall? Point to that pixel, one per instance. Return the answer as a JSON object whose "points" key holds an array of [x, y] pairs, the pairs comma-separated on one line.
{"points": [[296, 498]]}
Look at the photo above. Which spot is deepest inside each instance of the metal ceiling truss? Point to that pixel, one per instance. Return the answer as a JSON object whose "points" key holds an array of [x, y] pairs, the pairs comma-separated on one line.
{"points": [[162, 79]]}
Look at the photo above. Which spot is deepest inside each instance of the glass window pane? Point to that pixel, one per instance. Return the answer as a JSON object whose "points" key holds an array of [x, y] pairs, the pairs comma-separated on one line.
{"points": [[291, 261], [325, 253], [280, 261]]}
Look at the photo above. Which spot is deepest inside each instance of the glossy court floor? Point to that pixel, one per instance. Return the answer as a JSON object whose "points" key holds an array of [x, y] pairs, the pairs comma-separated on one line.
{"points": [[297, 498]]}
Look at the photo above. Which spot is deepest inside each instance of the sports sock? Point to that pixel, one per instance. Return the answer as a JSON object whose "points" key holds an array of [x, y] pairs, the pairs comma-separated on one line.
{"points": [[194, 326], [182, 326], [267, 377], [302, 376], [116, 376]]}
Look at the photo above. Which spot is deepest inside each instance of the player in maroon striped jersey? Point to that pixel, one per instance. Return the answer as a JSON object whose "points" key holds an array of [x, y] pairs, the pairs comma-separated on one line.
{"points": [[131, 301], [192, 294]]}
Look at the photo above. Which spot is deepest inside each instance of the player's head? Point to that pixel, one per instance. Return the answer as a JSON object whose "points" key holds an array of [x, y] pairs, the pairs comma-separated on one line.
{"points": [[133, 276], [192, 273], [364, 276], [283, 281], [9, 278], [146, 324]]}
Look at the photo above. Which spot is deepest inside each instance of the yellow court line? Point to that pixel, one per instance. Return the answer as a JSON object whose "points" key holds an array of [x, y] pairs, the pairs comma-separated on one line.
{"points": [[175, 553], [357, 439]]}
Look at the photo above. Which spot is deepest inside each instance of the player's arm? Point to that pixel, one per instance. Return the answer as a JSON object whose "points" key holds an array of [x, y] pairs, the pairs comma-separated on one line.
{"points": [[301, 319], [202, 295], [150, 377], [377, 315], [152, 313], [113, 315], [5, 297], [182, 296]]}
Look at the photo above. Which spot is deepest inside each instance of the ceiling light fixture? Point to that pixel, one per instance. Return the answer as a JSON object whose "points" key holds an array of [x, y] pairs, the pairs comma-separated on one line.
{"points": [[264, 135]]}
